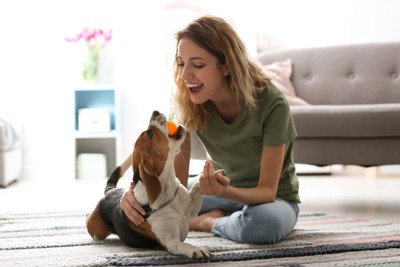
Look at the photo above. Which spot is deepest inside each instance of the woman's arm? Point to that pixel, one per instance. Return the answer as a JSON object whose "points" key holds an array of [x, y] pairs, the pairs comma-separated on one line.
{"points": [[182, 160], [265, 191]]}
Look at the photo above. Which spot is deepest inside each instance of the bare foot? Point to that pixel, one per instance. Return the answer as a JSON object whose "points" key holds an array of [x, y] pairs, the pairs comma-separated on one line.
{"points": [[206, 221]]}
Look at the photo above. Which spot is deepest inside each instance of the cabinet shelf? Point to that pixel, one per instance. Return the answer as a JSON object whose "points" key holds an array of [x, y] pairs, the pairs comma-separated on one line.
{"points": [[94, 142], [96, 98], [84, 135]]}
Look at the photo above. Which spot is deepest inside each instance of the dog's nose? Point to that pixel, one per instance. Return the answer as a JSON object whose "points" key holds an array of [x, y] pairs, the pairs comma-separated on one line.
{"points": [[158, 116]]}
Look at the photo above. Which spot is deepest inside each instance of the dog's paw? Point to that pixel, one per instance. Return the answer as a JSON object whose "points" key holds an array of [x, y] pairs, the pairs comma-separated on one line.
{"points": [[188, 250], [195, 186], [200, 253]]}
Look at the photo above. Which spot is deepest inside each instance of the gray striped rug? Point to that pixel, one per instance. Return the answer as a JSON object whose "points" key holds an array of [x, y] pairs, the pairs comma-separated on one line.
{"points": [[60, 239]]}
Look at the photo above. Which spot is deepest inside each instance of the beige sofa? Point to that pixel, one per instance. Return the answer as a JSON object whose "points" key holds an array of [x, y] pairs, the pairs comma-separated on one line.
{"points": [[353, 91]]}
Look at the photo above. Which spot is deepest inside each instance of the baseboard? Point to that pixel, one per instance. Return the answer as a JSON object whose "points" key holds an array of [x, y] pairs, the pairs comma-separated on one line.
{"points": [[306, 169]]}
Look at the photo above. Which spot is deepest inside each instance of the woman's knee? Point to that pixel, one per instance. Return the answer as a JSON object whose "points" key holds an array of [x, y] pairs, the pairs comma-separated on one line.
{"points": [[266, 226], [262, 229]]}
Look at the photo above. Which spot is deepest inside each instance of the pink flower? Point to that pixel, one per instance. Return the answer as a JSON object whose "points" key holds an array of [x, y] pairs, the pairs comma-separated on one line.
{"points": [[92, 37]]}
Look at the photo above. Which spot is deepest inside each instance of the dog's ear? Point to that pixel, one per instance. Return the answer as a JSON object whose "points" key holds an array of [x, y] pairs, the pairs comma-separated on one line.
{"points": [[149, 177]]}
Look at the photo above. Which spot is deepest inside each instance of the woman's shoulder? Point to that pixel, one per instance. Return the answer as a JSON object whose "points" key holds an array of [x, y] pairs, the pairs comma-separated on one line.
{"points": [[270, 95]]}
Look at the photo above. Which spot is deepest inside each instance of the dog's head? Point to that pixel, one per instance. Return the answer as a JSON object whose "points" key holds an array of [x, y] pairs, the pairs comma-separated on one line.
{"points": [[154, 153]]}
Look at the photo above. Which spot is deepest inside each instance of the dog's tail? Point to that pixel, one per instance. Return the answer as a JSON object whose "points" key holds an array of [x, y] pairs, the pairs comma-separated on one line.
{"points": [[117, 174]]}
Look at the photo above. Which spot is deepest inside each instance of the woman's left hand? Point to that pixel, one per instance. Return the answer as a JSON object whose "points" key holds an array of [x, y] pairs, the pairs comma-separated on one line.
{"points": [[212, 182]]}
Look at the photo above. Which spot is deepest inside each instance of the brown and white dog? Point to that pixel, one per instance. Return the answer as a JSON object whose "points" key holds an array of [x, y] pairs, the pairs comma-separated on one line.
{"points": [[168, 204]]}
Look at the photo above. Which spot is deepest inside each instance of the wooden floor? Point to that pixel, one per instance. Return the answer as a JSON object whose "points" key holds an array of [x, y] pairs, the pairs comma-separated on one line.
{"points": [[351, 191]]}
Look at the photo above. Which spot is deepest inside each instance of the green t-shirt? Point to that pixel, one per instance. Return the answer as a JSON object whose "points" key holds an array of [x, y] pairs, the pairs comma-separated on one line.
{"points": [[237, 147]]}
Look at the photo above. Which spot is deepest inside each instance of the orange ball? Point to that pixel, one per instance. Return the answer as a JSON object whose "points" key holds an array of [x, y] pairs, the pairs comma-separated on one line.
{"points": [[172, 128]]}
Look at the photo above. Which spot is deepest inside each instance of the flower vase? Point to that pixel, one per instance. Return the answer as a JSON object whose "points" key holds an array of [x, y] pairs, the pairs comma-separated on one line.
{"points": [[90, 64]]}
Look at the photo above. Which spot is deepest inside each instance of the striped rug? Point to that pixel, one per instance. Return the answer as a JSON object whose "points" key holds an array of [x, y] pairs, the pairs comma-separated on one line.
{"points": [[60, 239]]}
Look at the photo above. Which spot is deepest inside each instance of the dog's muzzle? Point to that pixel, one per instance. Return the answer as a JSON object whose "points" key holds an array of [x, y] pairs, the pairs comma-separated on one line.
{"points": [[156, 115]]}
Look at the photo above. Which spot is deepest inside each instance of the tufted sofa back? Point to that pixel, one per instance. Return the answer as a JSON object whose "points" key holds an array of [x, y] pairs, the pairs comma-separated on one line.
{"points": [[342, 75]]}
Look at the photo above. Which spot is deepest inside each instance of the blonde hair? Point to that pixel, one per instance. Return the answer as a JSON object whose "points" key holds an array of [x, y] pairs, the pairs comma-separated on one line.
{"points": [[246, 78]]}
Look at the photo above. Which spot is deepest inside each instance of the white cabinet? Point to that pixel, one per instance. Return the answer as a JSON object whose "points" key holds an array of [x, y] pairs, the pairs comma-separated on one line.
{"points": [[97, 132]]}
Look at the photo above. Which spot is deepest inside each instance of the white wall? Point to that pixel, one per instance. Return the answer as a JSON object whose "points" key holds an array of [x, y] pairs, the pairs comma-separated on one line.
{"points": [[318, 23], [39, 70]]}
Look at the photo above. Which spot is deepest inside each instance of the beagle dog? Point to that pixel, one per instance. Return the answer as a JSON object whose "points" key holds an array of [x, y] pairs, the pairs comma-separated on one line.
{"points": [[168, 203]]}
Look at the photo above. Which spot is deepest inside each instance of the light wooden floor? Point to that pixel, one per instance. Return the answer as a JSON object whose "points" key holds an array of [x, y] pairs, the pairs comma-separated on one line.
{"points": [[351, 191]]}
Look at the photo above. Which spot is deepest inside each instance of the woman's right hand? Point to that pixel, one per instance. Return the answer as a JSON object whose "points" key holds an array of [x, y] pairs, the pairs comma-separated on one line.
{"points": [[212, 182], [132, 208]]}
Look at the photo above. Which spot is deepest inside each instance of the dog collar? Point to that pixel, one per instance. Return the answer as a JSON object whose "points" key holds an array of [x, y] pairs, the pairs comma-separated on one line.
{"points": [[150, 211]]}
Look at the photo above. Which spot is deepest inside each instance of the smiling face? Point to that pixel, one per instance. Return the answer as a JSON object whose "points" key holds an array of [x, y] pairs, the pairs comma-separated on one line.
{"points": [[204, 77]]}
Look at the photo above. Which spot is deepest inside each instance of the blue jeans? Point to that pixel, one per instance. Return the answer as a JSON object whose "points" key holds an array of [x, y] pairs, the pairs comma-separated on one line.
{"points": [[265, 223]]}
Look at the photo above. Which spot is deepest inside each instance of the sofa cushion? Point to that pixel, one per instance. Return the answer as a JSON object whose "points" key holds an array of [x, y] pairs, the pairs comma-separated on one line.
{"points": [[281, 72], [347, 121]]}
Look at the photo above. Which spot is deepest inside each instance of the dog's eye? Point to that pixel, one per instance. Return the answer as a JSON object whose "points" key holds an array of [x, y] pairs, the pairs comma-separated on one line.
{"points": [[149, 134]]}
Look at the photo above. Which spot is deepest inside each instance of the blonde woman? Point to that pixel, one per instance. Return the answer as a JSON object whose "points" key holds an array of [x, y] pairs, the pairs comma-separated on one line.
{"points": [[244, 122]]}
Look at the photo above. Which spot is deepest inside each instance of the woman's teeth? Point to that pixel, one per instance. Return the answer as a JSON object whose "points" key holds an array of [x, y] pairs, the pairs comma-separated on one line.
{"points": [[190, 85], [194, 87]]}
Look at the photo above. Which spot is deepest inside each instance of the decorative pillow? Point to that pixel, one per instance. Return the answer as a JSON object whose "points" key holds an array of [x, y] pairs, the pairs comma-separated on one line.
{"points": [[281, 72]]}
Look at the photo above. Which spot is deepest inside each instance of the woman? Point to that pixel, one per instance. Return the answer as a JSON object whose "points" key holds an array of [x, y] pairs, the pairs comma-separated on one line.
{"points": [[246, 127]]}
